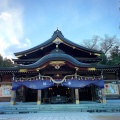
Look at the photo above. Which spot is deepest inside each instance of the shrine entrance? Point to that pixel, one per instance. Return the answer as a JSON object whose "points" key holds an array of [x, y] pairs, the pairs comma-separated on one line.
{"points": [[61, 95], [58, 95], [87, 93], [30, 95]]}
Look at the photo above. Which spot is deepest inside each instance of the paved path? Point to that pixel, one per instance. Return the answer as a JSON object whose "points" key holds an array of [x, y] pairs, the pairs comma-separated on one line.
{"points": [[61, 116]]}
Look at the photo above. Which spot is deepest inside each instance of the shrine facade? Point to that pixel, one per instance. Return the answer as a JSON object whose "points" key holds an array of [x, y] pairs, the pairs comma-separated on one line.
{"points": [[59, 71]]}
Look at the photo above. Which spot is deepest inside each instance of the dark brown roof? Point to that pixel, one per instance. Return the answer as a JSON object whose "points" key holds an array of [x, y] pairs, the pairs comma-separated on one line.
{"points": [[56, 34]]}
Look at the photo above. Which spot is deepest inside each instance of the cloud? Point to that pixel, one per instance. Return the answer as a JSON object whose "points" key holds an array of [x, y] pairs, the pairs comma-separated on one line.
{"points": [[12, 37]]}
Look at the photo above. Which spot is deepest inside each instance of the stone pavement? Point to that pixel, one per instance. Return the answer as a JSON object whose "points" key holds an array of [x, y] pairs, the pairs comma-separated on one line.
{"points": [[61, 116]]}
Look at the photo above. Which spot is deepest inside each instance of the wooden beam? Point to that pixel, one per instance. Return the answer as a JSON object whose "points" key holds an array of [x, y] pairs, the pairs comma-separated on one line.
{"points": [[2, 83], [56, 72]]}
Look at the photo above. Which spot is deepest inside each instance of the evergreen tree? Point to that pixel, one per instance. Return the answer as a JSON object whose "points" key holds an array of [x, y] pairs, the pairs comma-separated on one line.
{"points": [[104, 59], [114, 56], [4, 62]]}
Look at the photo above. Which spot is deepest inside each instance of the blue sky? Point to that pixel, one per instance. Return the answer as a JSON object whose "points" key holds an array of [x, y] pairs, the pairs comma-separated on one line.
{"points": [[27, 23]]}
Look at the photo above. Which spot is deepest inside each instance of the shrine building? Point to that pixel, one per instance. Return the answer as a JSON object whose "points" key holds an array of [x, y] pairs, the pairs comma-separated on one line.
{"points": [[59, 71]]}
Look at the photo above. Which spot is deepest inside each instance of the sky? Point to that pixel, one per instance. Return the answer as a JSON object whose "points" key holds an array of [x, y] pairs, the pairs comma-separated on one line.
{"points": [[27, 23]]}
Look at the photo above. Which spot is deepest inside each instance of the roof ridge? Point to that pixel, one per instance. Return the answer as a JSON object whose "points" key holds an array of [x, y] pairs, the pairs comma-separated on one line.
{"points": [[57, 32]]}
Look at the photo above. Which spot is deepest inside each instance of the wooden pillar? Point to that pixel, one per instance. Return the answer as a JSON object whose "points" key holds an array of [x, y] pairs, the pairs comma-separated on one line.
{"points": [[45, 93], [23, 94], [119, 88], [77, 95], [39, 97], [13, 96], [72, 93], [1, 78], [103, 96], [117, 78], [92, 92], [103, 90]]}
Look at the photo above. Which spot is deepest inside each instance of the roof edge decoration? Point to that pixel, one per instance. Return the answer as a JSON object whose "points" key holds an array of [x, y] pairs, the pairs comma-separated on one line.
{"points": [[56, 35]]}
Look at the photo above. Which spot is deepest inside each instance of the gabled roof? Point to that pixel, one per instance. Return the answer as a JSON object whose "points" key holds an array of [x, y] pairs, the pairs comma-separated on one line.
{"points": [[56, 34]]}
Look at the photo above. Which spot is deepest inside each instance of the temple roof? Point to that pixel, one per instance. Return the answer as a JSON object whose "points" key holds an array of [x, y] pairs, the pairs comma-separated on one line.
{"points": [[56, 35], [58, 55], [36, 59]]}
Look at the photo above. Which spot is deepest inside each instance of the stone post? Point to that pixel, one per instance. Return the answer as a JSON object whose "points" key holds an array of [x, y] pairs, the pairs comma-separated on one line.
{"points": [[39, 97], [13, 96], [77, 95]]}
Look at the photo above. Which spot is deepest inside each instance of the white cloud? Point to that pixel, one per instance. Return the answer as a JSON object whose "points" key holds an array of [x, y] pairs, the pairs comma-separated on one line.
{"points": [[12, 37]]}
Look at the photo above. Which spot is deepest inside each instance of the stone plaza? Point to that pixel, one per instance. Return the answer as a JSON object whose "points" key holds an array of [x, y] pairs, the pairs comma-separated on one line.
{"points": [[61, 116]]}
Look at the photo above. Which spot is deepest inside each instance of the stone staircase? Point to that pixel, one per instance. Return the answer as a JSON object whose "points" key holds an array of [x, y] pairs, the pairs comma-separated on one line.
{"points": [[33, 108]]}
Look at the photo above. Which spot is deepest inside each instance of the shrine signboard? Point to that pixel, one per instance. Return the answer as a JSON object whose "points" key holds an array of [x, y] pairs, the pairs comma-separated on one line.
{"points": [[5, 91], [111, 89]]}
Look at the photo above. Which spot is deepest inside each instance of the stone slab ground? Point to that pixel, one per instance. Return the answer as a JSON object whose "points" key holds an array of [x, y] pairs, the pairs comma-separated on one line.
{"points": [[61, 116]]}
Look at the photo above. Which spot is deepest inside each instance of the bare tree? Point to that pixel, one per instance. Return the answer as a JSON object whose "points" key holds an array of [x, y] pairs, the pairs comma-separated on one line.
{"points": [[92, 43], [108, 43], [103, 44]]}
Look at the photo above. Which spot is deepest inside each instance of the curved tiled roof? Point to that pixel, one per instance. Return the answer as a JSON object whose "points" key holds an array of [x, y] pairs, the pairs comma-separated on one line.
{"points": [[56, 34], [59, 55], [55, 55]]}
